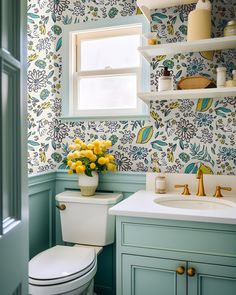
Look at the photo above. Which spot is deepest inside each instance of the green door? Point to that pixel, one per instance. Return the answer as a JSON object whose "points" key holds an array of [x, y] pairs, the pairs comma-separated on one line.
{"points": [[152, 276], [13, 128], [209, 279]]}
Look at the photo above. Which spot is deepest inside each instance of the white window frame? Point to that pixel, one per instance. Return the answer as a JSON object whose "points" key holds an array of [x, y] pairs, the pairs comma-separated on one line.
{"points": [[72, 35]]}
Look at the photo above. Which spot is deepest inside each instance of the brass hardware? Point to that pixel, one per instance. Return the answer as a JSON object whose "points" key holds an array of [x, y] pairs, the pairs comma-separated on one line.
{"points": [[61, 207], [186, 191], [191, 272], [200, 191], [180, 270], [218, 193]]}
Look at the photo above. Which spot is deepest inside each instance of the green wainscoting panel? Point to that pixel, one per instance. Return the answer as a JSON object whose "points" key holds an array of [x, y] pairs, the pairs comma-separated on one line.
{"points": [[40, 226], [41, 212], [45, 229]]}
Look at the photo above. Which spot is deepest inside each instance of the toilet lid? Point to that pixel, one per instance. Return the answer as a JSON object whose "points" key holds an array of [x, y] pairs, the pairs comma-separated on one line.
{"points": [[60, 264]]}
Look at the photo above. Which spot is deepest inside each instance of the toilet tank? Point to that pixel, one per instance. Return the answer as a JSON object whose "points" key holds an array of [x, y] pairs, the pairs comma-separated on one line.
{"points": [[85, 220]]}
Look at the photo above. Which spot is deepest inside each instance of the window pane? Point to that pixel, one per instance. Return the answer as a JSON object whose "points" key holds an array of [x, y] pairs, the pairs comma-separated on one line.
{"points": [[107, 93], [113, 52]]}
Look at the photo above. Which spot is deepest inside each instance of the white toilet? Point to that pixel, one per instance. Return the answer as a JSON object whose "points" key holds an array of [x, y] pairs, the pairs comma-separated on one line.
{"points": [[70, 269]]}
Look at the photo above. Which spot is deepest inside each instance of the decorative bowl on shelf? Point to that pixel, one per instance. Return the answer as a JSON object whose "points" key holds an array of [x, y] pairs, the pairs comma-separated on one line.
{"points": [[195, 82]]}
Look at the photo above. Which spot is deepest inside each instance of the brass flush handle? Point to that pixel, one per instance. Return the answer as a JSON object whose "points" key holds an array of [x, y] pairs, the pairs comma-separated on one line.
{"points": [[186, 191], [180, 270], [218, 193], [191, 272], [61, 207]]}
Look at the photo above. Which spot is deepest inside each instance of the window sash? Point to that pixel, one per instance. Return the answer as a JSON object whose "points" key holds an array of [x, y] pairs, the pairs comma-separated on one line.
{"points": [[104, 73], [102, 33]]}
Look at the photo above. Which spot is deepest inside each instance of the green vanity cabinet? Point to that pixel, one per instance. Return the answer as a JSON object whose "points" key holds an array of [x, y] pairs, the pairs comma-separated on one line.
{"points": [[151, 276], [164, 257], [212, 279]]}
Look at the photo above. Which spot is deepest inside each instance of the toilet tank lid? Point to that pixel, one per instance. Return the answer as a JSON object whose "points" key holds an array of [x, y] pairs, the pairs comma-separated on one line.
{"points": [[98, 198]]}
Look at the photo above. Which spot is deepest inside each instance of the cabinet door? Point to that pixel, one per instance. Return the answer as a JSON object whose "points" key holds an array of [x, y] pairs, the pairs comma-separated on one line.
{"points": [[152, 276], [210, 279]]}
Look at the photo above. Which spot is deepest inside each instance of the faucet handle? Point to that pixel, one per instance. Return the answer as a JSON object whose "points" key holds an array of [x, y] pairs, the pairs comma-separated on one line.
{"points": [[186, 191], [218, 193]]}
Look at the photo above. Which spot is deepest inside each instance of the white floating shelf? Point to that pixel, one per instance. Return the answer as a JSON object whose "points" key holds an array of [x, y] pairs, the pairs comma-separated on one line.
{"points": [[222, 43], [147, 5], [187, 94]]}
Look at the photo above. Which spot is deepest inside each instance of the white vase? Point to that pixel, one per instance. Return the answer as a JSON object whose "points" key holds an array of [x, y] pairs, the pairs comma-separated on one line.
{"points": [[88, 184]]}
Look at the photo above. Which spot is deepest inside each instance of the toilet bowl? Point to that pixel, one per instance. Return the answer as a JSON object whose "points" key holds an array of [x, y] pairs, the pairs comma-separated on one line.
{"points": [[70, 270], [63, 270]]}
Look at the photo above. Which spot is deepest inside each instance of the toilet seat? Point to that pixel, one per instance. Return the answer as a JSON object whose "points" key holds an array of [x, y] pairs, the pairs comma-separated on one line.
{"points": [[61, 264]]}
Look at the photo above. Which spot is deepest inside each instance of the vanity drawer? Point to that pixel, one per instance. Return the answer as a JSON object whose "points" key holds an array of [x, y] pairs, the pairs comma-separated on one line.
{"points": [[180, 239]]}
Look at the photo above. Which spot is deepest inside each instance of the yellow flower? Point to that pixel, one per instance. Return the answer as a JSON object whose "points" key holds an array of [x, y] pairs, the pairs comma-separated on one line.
{"points": [[69, 163], [89, 154], [80, 169], [78, 141], [111, 167], [71, 147], [76, 155], [93, 158], [78, 163], [90, 146], [73, 166], [92, 166], [108, 144], [96, 143], [107, 160], [83, 146], [70, 156], [111, 157], [97, 151], [77, 147], [102, 161], [70, 171]]}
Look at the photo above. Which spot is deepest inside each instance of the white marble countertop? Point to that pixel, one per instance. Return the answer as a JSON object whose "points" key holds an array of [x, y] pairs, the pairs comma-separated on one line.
{"points": [[141, 204]]}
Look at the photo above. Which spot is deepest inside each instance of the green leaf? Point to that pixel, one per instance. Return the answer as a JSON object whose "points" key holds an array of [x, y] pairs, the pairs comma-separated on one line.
{"points": [[33, 15], [59, 44], [179, 73], [184, 157], [183, 29], [225, 110], [160, 15], [160, 142], [156, 147], [191, 168], [33, 143]]}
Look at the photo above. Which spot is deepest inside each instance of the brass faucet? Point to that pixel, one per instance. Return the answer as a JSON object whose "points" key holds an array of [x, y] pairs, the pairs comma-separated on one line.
{"points": [[200, 191]]}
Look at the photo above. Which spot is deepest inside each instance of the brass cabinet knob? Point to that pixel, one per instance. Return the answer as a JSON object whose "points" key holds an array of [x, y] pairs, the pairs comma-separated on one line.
{"points": [[61, 207], [180, 270], [191, 272]]}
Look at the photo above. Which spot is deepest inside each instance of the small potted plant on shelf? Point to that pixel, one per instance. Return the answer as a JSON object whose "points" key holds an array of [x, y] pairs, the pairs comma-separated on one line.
{"points": [[87, 160]]}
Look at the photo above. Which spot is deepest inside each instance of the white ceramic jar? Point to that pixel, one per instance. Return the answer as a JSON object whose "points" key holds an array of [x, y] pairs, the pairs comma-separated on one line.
{"points": [[160, 184], [221, 76]]}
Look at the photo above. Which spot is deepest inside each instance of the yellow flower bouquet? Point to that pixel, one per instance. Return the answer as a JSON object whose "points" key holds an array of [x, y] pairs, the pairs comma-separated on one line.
{"points": [[88, 158]]}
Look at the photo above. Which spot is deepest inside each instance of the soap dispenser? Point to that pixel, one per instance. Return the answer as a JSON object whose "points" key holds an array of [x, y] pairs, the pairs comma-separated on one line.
{"points": [[165, 82]]}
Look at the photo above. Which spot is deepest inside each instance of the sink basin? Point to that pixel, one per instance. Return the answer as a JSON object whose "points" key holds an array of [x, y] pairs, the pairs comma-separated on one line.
{"points": [[195, 203]]}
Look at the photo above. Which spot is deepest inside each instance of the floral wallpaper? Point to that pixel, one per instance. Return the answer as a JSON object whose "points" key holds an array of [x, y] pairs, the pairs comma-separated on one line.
{"points": [[180, 136]]}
